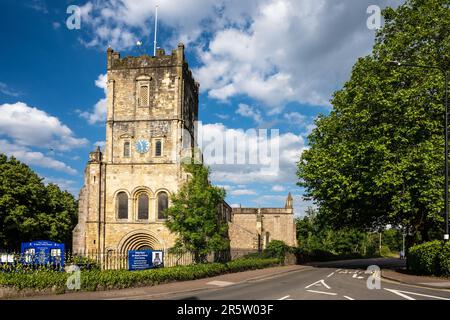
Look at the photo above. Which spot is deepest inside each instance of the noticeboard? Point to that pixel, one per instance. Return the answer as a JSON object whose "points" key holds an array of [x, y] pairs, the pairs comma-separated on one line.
{"points": [[145, 259], [43, 252]]}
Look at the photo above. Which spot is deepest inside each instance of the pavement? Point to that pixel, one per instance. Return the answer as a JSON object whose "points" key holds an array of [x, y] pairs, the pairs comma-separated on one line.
{"points": [[163, 290], [337, 280], [429, 282]]}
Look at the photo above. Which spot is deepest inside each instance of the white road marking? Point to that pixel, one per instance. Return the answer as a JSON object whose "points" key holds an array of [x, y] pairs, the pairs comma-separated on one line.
{"points": [[220, 283], [403, 294], [323, 292], [348, 298], [357, 277], [330, 274], [285, 297], [317, 282]]}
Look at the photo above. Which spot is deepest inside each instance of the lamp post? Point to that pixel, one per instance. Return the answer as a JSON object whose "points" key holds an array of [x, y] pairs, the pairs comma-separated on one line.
{"points": [[445, 73]]}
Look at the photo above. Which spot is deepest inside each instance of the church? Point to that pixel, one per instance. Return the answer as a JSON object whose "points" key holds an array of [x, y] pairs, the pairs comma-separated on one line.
{"points": [[152, 105]]}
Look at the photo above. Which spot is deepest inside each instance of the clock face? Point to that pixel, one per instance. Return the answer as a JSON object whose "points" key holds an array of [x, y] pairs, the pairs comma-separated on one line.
{"points": [[142, 146]]}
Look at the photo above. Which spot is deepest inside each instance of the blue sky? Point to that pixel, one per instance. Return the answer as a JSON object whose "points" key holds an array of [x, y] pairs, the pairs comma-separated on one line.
{"points": [[270, 64]]}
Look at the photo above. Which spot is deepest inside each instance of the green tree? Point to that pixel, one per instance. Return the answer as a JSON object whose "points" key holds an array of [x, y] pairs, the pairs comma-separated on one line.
{"points": [[377, 158], [194, 216], [30, 210]]}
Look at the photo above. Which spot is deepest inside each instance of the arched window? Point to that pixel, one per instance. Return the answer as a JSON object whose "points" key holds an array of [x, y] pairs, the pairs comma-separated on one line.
{"points": [[122, 205], [143, 206], [158, 148], [163, 203], [126, 149], [143, 95]]}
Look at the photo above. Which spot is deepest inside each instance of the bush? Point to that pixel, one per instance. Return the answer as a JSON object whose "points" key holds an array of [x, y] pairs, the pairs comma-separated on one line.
{"points": [[251, 264], [92, 280], [385, 251], [425, 258], [444, 260], [277, 249], [85, 263]]}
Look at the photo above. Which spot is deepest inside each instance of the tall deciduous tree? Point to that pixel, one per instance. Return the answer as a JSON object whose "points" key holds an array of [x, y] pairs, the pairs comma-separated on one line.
{"points": [[194, 217], [30, 210], [378, 157]]}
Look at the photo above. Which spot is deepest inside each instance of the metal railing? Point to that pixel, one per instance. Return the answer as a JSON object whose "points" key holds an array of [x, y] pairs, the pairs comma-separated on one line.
{"points": [[109, 260]]}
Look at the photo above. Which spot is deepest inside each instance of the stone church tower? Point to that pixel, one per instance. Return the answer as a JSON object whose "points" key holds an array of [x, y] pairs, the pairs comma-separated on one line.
{"points": [[152, 103]]}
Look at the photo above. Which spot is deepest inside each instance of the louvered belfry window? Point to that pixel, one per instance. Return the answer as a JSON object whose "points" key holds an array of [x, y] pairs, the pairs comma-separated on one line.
{"points": [[158, 148], [143, 95]]}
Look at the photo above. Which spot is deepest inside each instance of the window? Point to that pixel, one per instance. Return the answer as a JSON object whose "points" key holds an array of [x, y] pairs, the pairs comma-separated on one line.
{"points": [[143, 95], [126, 149], [163, 203], [158, 148], [122, 205], [143, 206]]}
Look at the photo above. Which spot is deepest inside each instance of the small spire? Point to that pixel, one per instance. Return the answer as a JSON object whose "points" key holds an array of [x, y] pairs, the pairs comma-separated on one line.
{"points": [[288, 204]]}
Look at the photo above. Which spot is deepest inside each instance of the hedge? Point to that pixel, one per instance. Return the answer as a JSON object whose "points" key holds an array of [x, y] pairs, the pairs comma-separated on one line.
{"points": [[92, 280], [430, 258]]}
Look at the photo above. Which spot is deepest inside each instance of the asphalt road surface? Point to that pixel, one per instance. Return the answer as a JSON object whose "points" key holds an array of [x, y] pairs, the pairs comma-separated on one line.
{"points": [[324, 281]]}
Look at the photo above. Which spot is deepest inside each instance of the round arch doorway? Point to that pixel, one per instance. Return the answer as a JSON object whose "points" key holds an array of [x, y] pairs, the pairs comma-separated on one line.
{"points": [[139, 240], [145, 248]]}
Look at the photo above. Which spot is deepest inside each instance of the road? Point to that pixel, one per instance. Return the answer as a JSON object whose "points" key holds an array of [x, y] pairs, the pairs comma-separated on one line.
{"points": [[323, 281], [344, 280]]}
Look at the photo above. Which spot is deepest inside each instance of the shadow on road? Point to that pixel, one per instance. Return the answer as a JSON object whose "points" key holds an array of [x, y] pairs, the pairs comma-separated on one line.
{"points": [[383, 263]]}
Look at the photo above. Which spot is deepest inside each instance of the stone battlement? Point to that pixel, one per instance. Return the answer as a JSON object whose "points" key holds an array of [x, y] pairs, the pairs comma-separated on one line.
{"points": [[161, 60], [262, 211], [176, 58]]}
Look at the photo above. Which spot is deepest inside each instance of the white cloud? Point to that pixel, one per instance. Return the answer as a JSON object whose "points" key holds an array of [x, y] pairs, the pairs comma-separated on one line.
{"points": [[56, 25], [290, 148], [227, 187], [98, 113], [34, 158], [275, 51], [29, 126], [222, 116], [38, 5], [300, 205], [295, 118], [249, 112], [291, 51], [6, 90], [64, 184], [278, 188], [100, 144], [119, 23], [242, 192]]}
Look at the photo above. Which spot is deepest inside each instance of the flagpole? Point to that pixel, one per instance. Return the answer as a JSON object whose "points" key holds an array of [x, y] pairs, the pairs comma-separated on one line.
{"points": [[156, 26]]}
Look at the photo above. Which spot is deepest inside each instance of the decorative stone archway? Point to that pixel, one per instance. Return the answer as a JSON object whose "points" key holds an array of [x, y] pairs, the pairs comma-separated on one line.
{"points": [[139, 239]]}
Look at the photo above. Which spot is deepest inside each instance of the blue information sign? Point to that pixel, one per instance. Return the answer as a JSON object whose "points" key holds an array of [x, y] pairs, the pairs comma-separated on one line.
{"points": [[145, 259], [43, 252]]}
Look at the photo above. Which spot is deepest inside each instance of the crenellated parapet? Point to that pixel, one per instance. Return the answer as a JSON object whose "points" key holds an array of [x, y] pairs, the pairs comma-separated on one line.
{"points": [[175, 59]]}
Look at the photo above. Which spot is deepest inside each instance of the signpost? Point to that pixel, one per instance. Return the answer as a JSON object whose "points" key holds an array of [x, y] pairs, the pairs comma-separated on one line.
{"points": [[145, 259]]}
